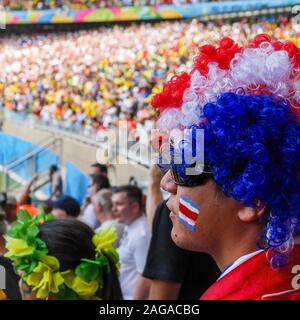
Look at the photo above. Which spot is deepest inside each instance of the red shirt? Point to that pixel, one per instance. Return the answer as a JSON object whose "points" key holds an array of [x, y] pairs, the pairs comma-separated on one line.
{"points": [[254, 279]]}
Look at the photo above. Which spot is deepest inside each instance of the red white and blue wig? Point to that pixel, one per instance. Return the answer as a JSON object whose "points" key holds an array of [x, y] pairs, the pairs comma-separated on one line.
{"points": [[247, 101]]}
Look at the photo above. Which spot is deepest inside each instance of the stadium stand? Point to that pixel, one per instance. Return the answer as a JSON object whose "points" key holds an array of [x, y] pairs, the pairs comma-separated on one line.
{"points": [[97, 79], [84, 4]]}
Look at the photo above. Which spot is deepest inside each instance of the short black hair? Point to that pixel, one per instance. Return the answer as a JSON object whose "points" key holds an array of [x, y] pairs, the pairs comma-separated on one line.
{"points": [[102, 167], [53, 168], [102, 182], [133, 193], [70, 241]]}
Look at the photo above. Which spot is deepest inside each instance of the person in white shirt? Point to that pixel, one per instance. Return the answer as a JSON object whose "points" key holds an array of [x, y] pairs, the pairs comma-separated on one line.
{"points": [[98, 182], [128, 207], [102, 205]]}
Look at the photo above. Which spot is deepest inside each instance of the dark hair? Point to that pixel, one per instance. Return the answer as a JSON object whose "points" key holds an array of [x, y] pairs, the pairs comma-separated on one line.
{"points": [[102, 167], [3, 198], [102, 182], [70, 241], [133, 193], [53, 168], [28, 200]]}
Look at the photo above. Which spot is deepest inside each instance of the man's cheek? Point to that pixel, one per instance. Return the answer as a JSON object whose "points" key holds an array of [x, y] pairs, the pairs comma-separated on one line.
{"points": [[188, 213]]}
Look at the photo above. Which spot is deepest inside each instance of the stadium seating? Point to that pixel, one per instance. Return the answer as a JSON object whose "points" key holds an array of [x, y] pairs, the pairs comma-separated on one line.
{"points": [[97, 79], [84, 4]]}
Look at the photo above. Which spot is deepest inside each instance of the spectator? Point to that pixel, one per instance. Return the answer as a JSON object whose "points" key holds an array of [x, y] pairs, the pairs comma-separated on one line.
{"points": [[25, 202], [55, 182], [127, 206], [175, 273], [70, 245], [243, 208], [88, 216], [98, 169], [65, 207], [12, 290], [102, 205], [3, 228], [8, 203]]}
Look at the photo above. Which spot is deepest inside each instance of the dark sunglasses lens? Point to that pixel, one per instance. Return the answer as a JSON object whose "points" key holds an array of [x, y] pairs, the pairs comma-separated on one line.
{"points": [[190, 180]]}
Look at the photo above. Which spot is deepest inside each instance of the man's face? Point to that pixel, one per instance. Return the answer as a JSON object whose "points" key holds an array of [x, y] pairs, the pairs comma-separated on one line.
{"points": [[96, 207], [94, 171], [93, 189], [123, 208], [214, 213]]}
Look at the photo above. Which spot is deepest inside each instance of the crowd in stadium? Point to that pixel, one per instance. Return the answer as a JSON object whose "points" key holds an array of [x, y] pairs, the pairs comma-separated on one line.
{"points": [[84, 4], [123, 216], [105, 77]]}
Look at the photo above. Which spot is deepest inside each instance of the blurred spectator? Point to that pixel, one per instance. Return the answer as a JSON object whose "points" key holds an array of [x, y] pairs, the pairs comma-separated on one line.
{"points": [[25, 198], [8, 204], [98, 169], [128, 207], [88, 216], [3, 228], [102, 205], [69, 241], [56, 182], [65, 207], [25, 202], [12, 290]]}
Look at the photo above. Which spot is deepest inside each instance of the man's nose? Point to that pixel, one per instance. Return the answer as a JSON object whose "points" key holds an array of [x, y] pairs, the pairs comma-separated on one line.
{"points": [[167, 183]]}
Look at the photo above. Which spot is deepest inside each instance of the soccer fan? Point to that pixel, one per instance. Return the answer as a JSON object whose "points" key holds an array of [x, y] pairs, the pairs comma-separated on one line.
{"points": [[63, 259], [243, 204], [128, 208]]}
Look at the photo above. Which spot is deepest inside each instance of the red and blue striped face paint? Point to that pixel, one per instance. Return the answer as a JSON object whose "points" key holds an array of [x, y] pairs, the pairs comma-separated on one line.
{"points": [[188, 212]]}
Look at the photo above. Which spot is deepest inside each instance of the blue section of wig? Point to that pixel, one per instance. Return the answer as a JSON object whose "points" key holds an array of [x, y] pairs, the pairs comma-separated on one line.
{"points": [[178, 155], [253, 145]]}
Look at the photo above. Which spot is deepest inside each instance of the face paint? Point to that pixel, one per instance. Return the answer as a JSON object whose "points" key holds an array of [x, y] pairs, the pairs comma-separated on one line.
{"points": [[188, 212]]}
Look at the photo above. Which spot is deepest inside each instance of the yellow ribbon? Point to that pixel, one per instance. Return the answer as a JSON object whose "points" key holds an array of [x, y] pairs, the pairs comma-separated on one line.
{"points": [[17, 247], [45, 278], [2, 295]]}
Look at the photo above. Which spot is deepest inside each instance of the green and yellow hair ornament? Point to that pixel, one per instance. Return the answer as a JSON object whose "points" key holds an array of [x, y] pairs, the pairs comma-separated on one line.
{"points": [[41, 271]]}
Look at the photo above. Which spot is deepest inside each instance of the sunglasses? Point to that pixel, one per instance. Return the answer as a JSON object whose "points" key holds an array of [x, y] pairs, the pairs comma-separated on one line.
{"points": [[184, 180], [178, 172]]}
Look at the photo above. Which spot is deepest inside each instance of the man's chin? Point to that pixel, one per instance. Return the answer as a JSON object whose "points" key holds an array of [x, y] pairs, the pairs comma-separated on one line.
{"points": [[178, 238]]}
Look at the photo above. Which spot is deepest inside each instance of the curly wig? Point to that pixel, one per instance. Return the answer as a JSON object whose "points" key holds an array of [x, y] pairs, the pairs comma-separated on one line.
{"points": [[253, 145], [247, 100]]}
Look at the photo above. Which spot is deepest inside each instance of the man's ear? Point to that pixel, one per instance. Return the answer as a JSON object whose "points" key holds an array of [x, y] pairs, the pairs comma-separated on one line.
{"points": [[248, 214], [64, 215], [135, 206]]}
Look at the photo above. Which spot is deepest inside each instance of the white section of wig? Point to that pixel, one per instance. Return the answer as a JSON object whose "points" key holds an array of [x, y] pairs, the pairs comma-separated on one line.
{"points": [[170, 119]]}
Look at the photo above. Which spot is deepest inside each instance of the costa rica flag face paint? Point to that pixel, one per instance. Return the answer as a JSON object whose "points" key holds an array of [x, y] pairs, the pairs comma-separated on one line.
{"points": [[188, 213]]}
